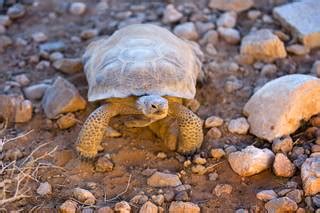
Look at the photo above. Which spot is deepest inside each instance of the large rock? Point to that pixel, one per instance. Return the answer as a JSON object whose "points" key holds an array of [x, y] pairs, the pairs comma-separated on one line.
{"points": [[303, 19], [62, 97], [231, 5], [283, 204], [160, 179], [263, 45], [250, 161], [310, 175], [278, 107], [183, 207]]}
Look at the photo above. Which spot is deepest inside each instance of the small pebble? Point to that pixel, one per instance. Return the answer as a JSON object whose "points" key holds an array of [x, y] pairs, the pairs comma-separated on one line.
{"points": [[316, 68], [22, 79], [67, 121], [89, 34], [266, 195], [122, 207], [213, 176], [283, 145], [254, 14], [39, 37], [230, 35], [162, 155], [68, 206], [36, 91], [198, 169], [186, 31], [217, 153], [239, 126], [298, 49], [214, 133], [84, 196], [171, 15], [199, 160], [104, 164], [221, 189], [213, 121], [77, 8], [295, 195], [16, 11], [227, 19], [44, 189]]}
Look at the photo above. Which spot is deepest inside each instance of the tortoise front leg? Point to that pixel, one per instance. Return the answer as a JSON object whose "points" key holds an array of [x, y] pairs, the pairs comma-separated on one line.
{"points": [[190, 128], [89, 140]]}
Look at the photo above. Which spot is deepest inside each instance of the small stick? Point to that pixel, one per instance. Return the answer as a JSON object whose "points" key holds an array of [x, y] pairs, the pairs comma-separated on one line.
{"points": [[127, 187]]}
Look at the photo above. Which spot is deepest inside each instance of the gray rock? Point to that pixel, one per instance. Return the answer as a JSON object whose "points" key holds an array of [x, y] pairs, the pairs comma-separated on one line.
{"points": [[39, 37], [77, 8], [5, 20], [139, 199], [160, 179], [22, 79], [171, 15], [62, 97], [253, 14], [55, 56], [282, 166], [44, 189], [250, 161], [68, 65], [231, 5], [211, 37], [16, 11], [266, 195], [298, 49], [52, 46], [283, 204], [296, 195], [36, 91], [316, 68], [269, 70], [187, 31], [303, 19], [180, 207], [213, 176], [278, 107], [310, 171], [283, 145], [227, 20], [263, 45], [230, 35], [239, 126]]}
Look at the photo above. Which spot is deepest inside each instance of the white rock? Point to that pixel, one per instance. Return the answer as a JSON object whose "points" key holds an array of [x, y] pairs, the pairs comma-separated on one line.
{"points": [[310, 175], [148, 207], [171, 15], [239, 126], [213, 121], [250, 161], [234, 5], [227, 20], [277, 108], [44, 189], [230, 35], [266, 195], [122, 207], [77, 8], [160, 179], [187, 31], [84, 196], [183, 207], [282, 166], [303, 19], [36, 91], [39, 37], [263, 45]]}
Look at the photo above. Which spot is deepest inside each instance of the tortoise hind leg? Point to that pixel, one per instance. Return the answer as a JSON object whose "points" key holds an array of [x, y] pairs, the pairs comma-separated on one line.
{"points": [[190, 128]]}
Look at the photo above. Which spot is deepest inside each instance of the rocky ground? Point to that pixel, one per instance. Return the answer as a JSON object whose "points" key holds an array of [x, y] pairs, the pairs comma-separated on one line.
{"points": [[243, 166]]}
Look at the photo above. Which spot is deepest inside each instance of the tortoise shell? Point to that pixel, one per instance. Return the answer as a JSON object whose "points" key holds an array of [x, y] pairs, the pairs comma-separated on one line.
{"points": [[141, 59]]}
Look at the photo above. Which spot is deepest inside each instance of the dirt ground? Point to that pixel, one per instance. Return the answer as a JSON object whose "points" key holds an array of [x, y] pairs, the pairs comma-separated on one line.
{"points": [[137, 149]]}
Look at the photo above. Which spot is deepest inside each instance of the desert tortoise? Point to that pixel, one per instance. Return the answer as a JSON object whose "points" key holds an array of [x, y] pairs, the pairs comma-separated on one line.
{"points": [[142, 70]]}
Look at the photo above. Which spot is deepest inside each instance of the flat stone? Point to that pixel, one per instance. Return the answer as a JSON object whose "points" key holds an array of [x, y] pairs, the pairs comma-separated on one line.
{"points": [[36, 91], [238, 126], [282, 166], [283, 204], [187, 31], [263, 45], [277, 108], [52, 46], [160, 179], [183, 207], [39, 37], [89, 34], [266, 195], [62, 97], [303, 19], [250, 161], [231, 5], [310, 175], [68, 65], [5, 20], [148, 207]]}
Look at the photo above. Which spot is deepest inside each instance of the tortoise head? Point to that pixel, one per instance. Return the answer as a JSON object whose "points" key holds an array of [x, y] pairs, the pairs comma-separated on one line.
{"points": [[153, 106]]}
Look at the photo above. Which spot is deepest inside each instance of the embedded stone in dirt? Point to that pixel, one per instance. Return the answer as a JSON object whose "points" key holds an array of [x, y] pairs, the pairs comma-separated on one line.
{"points": [[62, 97], [282, 166], [104, 165], [68, 206], [182, 207], [263, 45], [44, 189], [160, 179], [283, 204], [266, 195], [36, 91], [187, 31], [234, 5], [221, 189], [250, 161], [239, 126], [277, 108], [217, 153], [67, 121], [148, 207], [310, 171], [122, 207], [171, 15], [68, 65], [284, 145], [302, 18], [84, 196]]}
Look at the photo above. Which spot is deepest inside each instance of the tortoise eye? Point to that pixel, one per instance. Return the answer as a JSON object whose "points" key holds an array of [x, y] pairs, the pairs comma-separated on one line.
{"points": [[153, 106]]}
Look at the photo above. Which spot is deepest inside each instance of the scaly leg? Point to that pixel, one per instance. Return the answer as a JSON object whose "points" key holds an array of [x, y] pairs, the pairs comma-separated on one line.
{"points": [[190, 128]]}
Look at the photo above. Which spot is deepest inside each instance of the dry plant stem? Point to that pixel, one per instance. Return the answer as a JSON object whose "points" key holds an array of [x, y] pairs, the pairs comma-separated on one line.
{"points": [[126, 189]]}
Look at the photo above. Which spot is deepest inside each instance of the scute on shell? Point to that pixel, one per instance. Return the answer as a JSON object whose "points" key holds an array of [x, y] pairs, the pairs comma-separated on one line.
{"points": [[141, 59]]}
